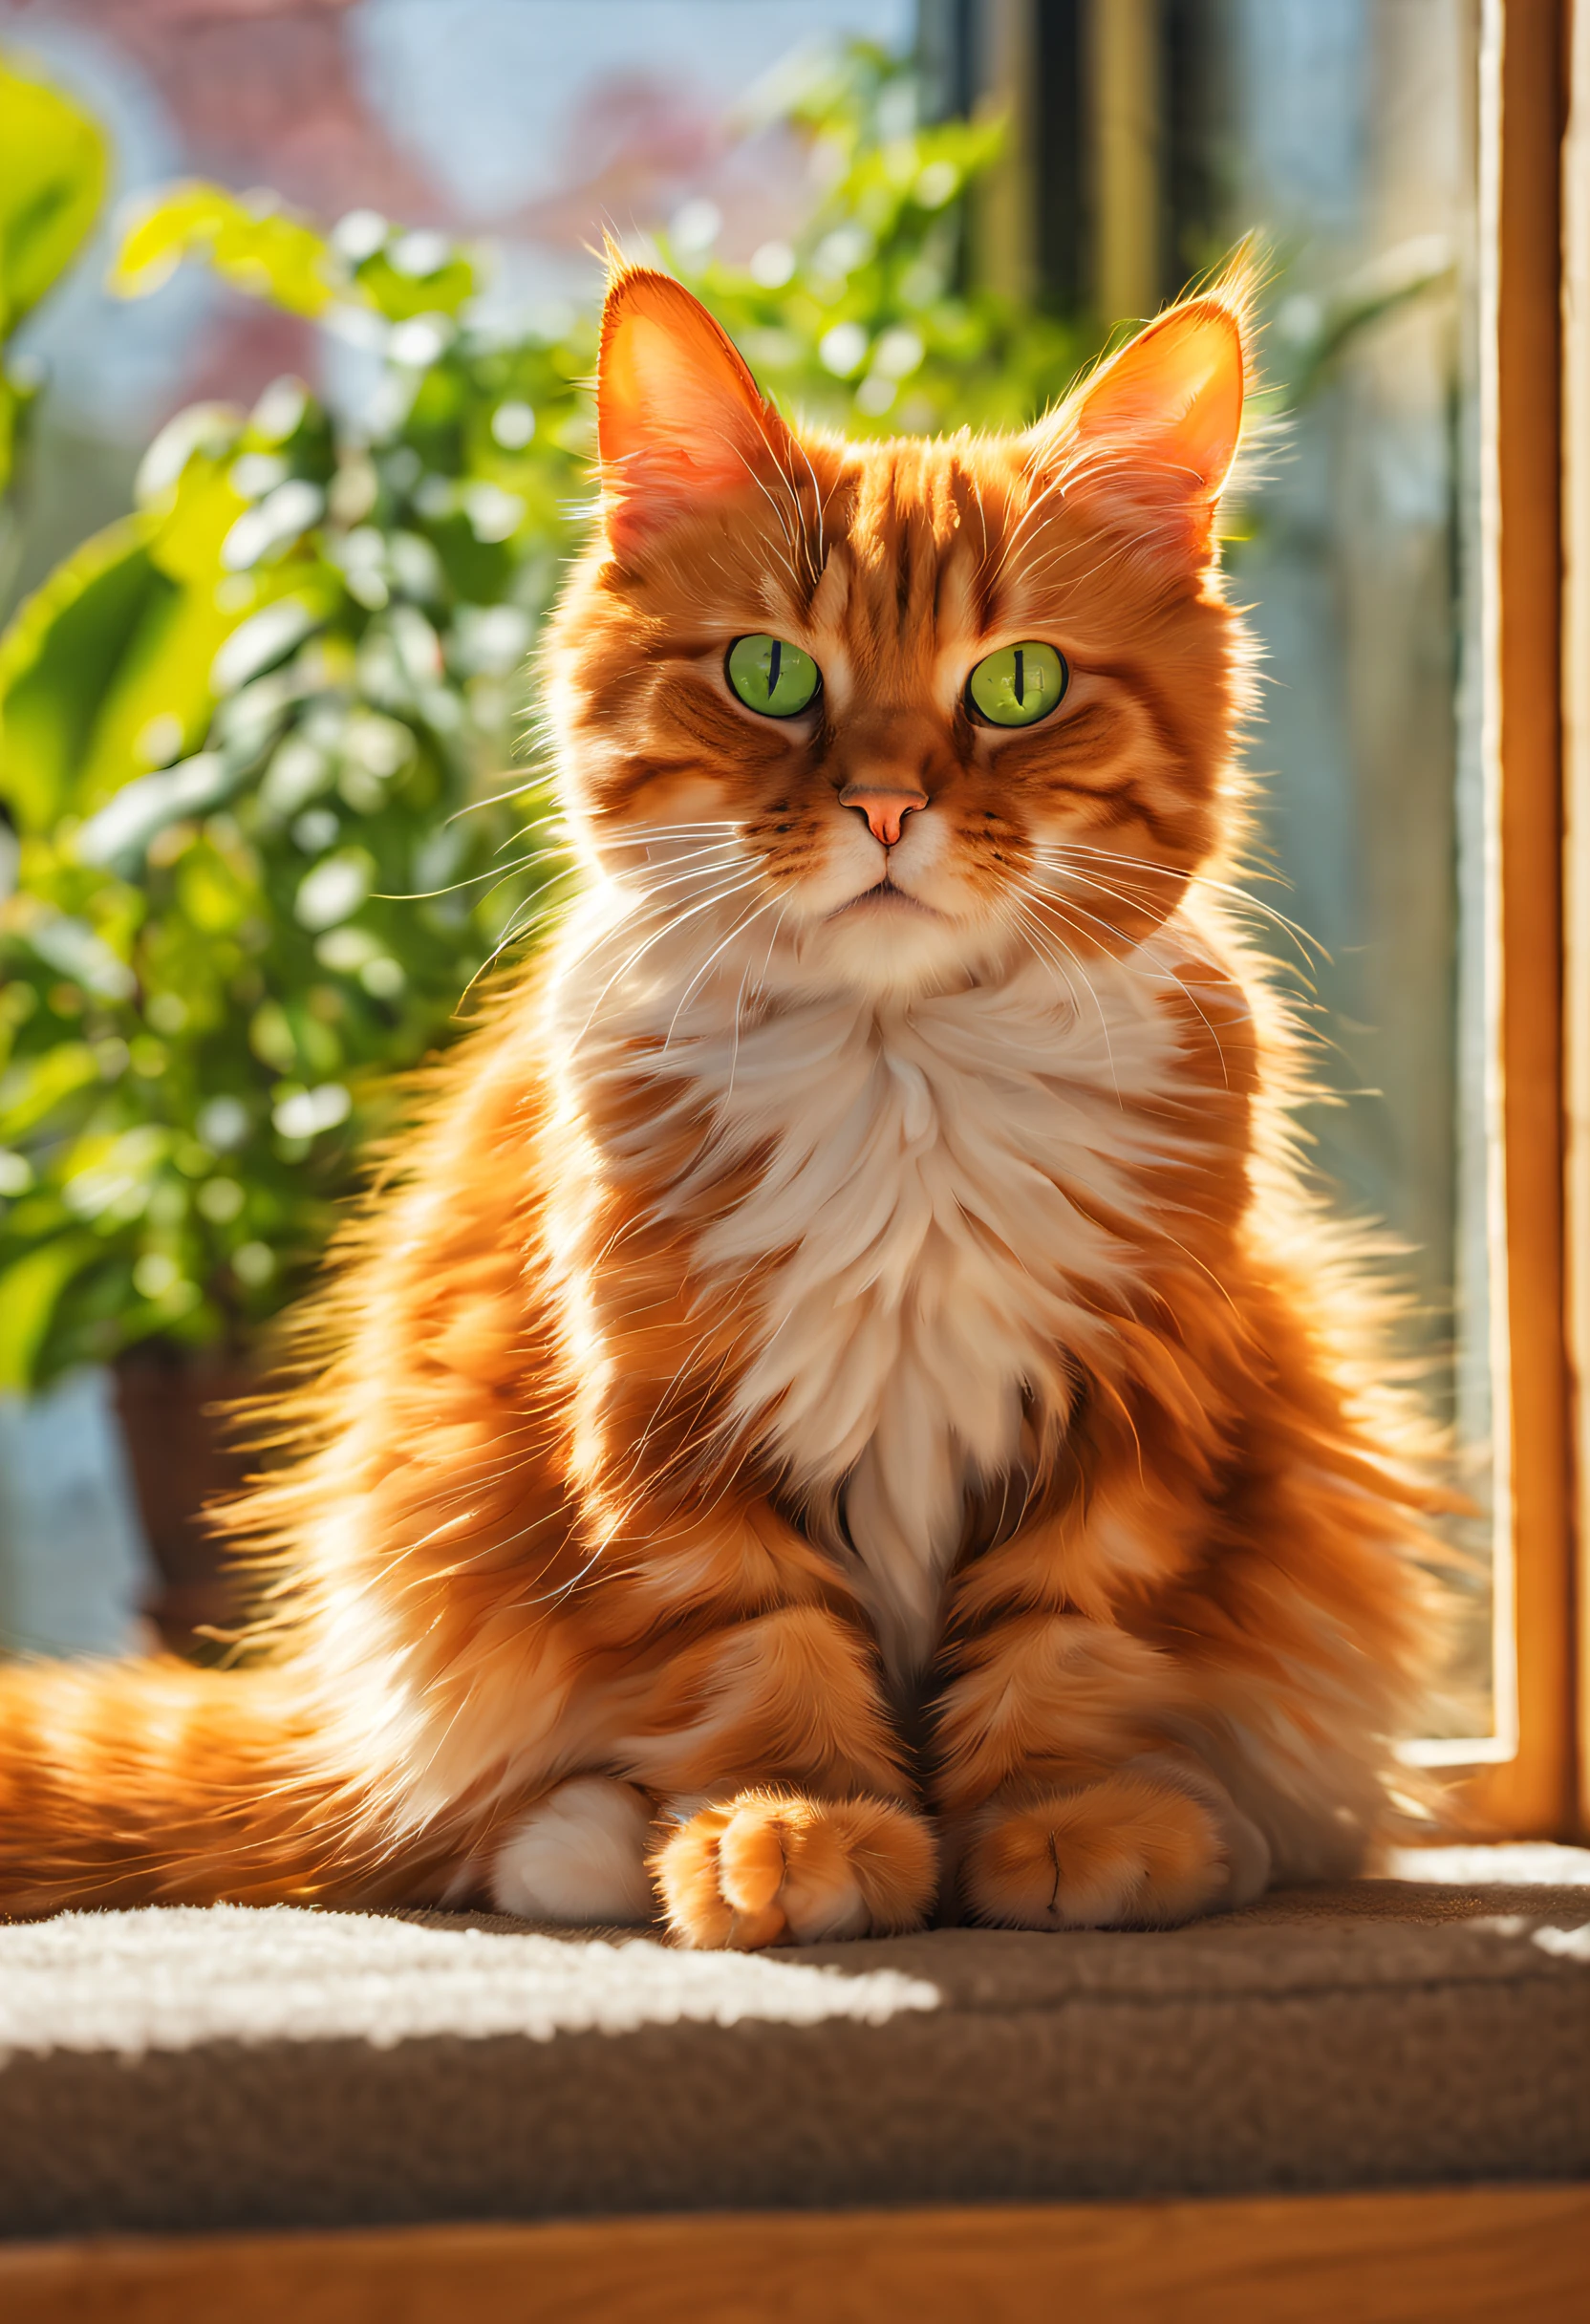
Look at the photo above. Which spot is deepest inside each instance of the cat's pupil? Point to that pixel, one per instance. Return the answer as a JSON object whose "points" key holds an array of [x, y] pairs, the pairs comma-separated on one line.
{"points": [[773, 660], [1020, 680]]}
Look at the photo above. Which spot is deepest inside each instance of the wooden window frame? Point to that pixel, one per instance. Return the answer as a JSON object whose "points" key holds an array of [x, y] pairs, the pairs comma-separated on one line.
{"points": [[1575, 52], [1529, 147]]}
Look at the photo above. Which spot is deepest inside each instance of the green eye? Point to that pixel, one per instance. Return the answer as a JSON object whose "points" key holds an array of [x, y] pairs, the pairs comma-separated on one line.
{"points": [[770, 674], [1018, 685]]}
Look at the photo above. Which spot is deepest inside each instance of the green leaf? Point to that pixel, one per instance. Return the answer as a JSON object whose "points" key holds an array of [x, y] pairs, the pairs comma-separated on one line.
{"points": [[195, 517], [58, 658], [106, 670], [30, 1291], [266, 252], [31, 1091], [273, 255], [13, 406], [399, 292], [158, 704], [50, 187]]}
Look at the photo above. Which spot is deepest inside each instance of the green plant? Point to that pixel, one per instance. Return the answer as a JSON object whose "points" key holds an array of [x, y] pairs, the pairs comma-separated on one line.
{"points": [[239, 730], [864, 320], [257, 738], [51, 186]]}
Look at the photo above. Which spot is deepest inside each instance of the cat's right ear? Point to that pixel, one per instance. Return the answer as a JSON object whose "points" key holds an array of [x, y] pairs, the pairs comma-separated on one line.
{"points": [[680, 420], [1151, 437]]}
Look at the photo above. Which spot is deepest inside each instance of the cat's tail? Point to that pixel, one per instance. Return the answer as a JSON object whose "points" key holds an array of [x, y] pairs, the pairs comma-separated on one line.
{"points": [[155, 1782]]}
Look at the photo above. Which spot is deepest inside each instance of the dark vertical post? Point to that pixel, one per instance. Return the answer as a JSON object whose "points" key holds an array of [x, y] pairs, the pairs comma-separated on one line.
{"points": [[1061, 176]]}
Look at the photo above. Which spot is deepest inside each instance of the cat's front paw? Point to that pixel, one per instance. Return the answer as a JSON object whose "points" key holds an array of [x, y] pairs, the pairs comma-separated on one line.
{"points": [[773, 1866], [1152, 1844]]}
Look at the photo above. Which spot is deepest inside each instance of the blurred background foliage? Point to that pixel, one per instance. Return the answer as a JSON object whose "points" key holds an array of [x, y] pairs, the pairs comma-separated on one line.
{"points": [[258, 739], [53, 168]]}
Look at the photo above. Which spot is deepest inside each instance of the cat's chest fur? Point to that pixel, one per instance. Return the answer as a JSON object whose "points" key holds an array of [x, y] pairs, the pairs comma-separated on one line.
{"points": [[924, 1242]]}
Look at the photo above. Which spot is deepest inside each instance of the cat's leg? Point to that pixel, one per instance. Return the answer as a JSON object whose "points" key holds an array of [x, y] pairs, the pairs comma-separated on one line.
{"points": [[1218, 1714], [1067, 1808], [786, 1816], [578, 1857], [1157, 1841]]}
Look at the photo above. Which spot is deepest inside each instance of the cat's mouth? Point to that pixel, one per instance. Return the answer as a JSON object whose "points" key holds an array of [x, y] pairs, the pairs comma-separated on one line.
{"points": [[884, 895]]}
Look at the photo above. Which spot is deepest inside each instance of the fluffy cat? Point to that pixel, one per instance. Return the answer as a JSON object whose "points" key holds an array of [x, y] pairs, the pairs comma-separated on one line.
{"points": [[840, 1411]]}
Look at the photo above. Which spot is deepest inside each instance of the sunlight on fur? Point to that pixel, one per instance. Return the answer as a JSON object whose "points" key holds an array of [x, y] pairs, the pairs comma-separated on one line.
{"points": [[841, 1412]]}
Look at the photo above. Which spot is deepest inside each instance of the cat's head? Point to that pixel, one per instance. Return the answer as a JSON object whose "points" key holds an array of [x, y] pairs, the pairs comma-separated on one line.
{"points": [[884, 715]]}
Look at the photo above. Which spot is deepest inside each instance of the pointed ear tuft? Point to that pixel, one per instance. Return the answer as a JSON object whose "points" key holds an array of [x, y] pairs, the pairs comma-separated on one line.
{"points": [[1157, 428], [680, 420]]}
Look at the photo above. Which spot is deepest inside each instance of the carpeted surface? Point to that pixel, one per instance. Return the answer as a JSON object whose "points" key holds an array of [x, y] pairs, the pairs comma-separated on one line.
{"points": [[168, 2070]]}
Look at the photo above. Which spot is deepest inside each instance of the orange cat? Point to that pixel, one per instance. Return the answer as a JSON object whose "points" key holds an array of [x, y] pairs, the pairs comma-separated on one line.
{"points": [[841, 1412]]}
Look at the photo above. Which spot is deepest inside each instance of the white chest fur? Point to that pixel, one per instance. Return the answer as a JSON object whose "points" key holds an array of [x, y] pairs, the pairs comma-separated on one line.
{"points": [[932, 1170]]}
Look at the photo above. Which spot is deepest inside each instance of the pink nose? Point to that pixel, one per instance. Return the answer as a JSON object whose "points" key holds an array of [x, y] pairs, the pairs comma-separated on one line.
{"points": [[885, 811]]}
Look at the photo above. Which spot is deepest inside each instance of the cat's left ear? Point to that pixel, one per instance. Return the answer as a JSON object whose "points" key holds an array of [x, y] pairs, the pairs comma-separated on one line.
{"points": [[1155, 430], [680, 420]]}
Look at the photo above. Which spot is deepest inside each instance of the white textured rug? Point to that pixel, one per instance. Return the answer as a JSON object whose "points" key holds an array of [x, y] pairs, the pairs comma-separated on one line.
{"points": [[174, 1977]]}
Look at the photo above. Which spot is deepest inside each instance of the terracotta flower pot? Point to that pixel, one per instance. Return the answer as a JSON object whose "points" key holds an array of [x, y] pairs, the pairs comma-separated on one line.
{"points": [[184, 1459]]}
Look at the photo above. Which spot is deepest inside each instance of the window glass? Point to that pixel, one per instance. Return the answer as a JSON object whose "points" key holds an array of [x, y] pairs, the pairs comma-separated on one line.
{"points": [[1349, 140]]}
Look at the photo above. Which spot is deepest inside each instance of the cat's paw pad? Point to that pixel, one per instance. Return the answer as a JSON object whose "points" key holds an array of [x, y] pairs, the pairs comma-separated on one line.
{"points": [[1143, 1848], [770, 1867]]}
